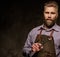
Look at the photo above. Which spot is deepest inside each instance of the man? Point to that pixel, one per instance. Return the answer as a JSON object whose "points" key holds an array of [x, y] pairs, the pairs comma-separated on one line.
{"points": [[50, 16]]}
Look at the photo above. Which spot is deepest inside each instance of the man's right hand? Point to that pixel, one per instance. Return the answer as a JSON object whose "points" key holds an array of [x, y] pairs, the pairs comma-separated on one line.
{"points": [[36, 47]]}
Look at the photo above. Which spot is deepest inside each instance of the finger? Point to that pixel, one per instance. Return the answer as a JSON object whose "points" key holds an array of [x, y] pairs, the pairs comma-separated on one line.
{"points": [[37, 45], [33, 48], [41, 47]]}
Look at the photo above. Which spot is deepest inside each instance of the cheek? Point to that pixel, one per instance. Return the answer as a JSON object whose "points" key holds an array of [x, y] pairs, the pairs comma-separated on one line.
{"points": [[54, 17], [45, 16]]}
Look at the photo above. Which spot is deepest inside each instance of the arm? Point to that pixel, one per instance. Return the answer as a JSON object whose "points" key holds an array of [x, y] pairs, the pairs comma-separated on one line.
{"points": [[30, 48], [27, 46]]}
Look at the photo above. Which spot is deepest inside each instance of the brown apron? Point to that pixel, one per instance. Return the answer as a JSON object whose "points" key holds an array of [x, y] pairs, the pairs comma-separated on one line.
{"points": [[48, 45]]}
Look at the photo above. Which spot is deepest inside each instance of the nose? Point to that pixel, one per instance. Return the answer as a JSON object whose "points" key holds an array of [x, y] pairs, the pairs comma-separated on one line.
{"points": [[49, 15]]}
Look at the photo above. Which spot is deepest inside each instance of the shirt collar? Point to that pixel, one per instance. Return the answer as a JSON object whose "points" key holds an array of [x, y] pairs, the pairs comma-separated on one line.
{"points": [[55, 27]]}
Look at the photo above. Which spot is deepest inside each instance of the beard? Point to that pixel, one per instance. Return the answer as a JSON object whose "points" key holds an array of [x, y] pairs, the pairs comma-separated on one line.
{"points": [[49, 23]]}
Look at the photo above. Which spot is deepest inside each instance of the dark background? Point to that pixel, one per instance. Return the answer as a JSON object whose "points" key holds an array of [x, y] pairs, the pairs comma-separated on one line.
{"points": [[17, 18]]}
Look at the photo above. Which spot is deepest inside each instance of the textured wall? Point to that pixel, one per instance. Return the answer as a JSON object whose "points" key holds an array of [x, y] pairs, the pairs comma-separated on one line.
{"points": [[17, 19]]}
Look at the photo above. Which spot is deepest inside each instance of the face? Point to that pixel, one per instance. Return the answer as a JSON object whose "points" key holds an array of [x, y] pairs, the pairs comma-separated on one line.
{"points": [[50, 15]]}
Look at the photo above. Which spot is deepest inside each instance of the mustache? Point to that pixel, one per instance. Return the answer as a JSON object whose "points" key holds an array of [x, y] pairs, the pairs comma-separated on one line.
{"points": [[49, 19]]}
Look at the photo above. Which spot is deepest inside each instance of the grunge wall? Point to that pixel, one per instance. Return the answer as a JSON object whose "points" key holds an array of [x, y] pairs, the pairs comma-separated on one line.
{"points": [[17, 18]]}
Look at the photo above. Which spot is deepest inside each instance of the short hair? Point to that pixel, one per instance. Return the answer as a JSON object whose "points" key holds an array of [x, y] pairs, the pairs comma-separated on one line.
{"points": [[51, 4]]}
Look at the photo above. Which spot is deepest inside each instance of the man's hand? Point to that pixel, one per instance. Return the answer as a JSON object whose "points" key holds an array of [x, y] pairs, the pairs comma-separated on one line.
{"points": [[36, 47]]}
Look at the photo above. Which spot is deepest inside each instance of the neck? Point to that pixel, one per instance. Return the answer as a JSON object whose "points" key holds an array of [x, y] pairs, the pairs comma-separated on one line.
{"points": [[48, 27]]}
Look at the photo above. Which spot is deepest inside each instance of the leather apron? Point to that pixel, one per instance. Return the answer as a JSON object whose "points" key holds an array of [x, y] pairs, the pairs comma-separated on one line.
{"points": [[48, 45]]}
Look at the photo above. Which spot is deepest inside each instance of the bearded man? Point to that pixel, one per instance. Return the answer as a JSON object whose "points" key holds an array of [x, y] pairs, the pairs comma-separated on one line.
{"points": [[48, 28]]}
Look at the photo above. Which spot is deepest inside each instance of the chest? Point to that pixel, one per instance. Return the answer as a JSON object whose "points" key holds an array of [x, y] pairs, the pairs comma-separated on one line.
{"points": [[56, 36]]}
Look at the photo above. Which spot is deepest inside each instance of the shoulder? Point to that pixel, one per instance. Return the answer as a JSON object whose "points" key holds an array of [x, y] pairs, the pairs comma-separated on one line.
{"points": [[58, 27], [34, 30]]}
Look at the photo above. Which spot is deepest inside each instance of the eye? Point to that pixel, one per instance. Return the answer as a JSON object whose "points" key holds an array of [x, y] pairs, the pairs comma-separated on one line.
{"points": [[47, 12], [52, 12]]}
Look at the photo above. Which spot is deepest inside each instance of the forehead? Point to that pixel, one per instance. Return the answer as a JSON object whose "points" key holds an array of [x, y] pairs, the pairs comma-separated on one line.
{"points": [[50, 9]]}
